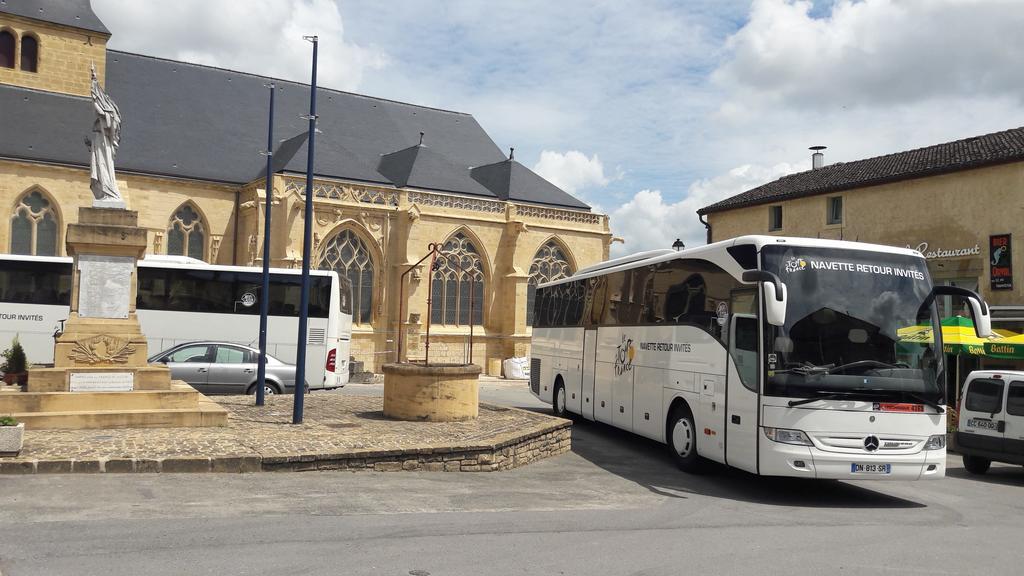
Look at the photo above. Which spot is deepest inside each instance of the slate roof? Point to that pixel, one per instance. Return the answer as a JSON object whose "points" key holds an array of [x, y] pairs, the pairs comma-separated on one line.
{"points": [[74, 13], [510, 180], [199, 122], [975, 152]]}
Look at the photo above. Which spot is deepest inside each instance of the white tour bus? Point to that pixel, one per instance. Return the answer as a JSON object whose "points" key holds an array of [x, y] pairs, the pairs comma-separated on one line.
{"points": [[779, 356], [182, 299]]}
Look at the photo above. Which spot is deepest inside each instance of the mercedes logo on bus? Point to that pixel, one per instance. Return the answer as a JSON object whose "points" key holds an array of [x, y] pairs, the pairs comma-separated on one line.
{"points": [[871, 443]]}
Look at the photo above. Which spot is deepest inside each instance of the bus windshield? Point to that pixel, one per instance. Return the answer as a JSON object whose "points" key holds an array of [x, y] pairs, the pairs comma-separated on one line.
{"points": [[859, 325]]}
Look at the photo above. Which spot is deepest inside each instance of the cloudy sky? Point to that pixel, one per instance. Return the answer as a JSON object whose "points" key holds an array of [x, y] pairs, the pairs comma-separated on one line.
{"points": [[647, 110]]}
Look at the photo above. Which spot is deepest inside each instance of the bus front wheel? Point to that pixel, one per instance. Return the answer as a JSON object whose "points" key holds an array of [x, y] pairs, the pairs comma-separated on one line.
{"points": [[682, 439], [558, 400]]}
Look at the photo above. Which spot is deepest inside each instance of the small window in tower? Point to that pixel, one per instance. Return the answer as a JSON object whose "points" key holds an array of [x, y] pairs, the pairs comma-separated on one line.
{"points": [[29, 54], [6, 49]]}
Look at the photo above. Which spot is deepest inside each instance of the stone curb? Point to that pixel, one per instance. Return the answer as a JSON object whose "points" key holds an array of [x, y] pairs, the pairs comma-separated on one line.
{"points": [[505, 452]]}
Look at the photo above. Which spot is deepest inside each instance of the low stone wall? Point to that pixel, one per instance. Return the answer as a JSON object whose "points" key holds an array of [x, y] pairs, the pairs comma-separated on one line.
{"points": [[513, 453], [518, 452]]}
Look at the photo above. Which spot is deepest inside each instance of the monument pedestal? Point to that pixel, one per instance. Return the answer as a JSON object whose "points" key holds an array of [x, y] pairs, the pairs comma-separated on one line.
{"points": [[102, 348], [101, 377]]}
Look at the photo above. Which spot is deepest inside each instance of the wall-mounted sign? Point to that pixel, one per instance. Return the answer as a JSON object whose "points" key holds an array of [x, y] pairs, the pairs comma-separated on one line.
{"points": [[1000, 262], [945, 253]]}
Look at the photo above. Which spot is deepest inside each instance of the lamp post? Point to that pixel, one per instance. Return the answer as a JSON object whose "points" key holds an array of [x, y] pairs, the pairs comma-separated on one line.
{"points": [[300, 355], [261, 372], [678, 245]]}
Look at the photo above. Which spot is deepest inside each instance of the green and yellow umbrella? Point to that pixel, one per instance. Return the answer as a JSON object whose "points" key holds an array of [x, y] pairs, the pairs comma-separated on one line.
{"points": [[958, 337], [1010, 348]]}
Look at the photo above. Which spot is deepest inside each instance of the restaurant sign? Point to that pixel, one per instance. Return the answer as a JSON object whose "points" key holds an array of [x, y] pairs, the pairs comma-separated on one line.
{"points": [[1000, 262], [932, 254]]}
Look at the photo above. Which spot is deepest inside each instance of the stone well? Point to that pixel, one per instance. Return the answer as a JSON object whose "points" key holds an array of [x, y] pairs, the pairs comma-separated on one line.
{"points": [[432, 392]]}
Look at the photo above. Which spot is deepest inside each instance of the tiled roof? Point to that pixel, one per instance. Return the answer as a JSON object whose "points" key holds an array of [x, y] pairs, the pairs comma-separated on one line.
{"points": [[975, 152]]}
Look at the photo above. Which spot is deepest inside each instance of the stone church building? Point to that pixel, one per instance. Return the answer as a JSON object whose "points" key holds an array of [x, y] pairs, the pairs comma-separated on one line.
{"points": [[390, 178]]}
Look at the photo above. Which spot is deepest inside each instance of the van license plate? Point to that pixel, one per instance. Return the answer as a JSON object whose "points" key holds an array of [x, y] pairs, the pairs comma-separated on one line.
{"points": [[870, 468], [985, 423]]}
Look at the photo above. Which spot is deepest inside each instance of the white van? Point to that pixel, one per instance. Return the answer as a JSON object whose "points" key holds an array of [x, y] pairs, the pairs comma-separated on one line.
{"points": [[991, 419]]}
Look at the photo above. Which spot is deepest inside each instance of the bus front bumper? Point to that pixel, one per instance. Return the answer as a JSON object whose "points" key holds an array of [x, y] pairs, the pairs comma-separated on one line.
{"points": [[777, 459]]}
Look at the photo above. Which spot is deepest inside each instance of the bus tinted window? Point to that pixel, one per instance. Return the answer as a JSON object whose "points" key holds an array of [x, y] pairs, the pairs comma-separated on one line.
{"points": [[225, 292], [23, 282]]}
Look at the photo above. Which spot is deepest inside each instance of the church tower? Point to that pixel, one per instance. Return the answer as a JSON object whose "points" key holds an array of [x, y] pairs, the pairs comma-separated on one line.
{"points": [[51, 44]]}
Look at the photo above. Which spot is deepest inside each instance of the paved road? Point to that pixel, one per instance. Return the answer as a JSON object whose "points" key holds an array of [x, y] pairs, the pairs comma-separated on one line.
{"points": [[613, 506]]}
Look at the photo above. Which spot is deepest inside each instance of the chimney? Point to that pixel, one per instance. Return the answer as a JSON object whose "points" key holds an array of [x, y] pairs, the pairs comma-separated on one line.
{"points": [[817, 159]]}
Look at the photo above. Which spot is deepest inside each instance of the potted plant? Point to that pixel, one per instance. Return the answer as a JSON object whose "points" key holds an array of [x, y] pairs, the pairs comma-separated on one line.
{"points": [[12, 435], [15, 364]]}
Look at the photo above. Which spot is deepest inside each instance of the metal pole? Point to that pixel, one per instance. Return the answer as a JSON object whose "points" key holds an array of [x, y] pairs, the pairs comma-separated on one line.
{"points": [[261, 372], [300, 356], [472, 318], [430, 305]]}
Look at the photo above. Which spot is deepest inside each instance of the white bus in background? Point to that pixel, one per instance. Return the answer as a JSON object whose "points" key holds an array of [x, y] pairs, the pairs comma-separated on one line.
{"points": [[778, 356], [182, 299]]}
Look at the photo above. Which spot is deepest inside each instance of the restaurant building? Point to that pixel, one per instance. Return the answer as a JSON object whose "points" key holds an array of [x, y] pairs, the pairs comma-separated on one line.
{"points": [[960, 203]]}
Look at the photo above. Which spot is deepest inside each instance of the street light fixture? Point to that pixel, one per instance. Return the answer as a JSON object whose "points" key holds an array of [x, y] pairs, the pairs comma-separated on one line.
{"points": [[678, 245]]}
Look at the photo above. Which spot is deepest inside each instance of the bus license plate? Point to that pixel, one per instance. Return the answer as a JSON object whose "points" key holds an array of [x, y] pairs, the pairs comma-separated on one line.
{"points": [[870, 468]]}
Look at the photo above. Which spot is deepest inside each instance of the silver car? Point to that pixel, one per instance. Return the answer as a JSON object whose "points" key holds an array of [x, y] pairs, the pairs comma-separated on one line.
{"points": [[225, 368]]}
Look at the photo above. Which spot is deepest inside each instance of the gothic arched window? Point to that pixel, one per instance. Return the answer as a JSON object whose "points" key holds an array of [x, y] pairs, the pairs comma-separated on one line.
{"points": [[549, 264], [34, 226], [6, 49], [450, 290], [347, 255], [29, 53], [186, 234]]}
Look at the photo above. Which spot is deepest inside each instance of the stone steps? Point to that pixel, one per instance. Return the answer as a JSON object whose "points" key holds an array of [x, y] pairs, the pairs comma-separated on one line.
{"points": [[180, 406]]}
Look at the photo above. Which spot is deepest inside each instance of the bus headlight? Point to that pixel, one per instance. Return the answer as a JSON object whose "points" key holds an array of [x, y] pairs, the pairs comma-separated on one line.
{"points": [[787, 436], [935, 442]]}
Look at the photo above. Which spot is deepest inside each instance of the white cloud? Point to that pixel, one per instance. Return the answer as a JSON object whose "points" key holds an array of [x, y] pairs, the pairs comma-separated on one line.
{"points": [[873, 53], [571, 171], [647, 222], [257, 36]]}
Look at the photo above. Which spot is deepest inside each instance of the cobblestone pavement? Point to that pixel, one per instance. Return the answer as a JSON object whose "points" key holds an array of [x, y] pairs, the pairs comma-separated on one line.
{"points": [[336, 428]]}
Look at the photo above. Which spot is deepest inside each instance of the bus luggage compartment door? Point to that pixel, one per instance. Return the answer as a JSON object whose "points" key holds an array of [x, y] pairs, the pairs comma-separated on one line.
{"points": [[710, 429]]}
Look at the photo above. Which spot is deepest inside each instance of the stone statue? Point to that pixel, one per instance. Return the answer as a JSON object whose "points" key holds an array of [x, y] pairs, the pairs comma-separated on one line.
{"points": [[106, 135]]}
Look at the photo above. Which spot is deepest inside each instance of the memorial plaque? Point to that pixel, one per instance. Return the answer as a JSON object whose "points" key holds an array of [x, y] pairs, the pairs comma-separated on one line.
{"points": [[104, 285], [102, 381]]}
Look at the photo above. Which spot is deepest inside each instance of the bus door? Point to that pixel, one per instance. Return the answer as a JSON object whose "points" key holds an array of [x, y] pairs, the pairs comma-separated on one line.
{"points": [[589, 372], [741, 383]]}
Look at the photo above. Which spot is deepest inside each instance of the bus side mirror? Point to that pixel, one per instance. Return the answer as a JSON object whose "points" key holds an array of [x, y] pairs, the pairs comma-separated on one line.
{"points": [[979, 309], [982, 318], [774, 295]]}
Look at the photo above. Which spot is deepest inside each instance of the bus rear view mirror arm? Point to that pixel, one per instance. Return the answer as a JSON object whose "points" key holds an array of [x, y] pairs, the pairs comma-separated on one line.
{"points": [[774, 295], [979, 309]]}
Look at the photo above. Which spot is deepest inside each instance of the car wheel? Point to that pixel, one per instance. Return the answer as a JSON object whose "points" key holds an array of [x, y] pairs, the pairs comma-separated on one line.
{"points": [[976, 465], [558, 401], [681, 433], [268, 389]]}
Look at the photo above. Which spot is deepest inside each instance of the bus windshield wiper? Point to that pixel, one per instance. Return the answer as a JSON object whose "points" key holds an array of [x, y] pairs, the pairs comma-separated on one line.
{"points": [[826, 395]]}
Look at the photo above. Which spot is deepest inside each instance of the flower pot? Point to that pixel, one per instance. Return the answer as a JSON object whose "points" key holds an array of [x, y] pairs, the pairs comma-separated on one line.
{"points": [[11, 438], [16, 377]]}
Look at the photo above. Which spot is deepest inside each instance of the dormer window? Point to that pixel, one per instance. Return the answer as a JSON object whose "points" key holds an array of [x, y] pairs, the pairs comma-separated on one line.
{"points": [[29, 53], [6, 49]]}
